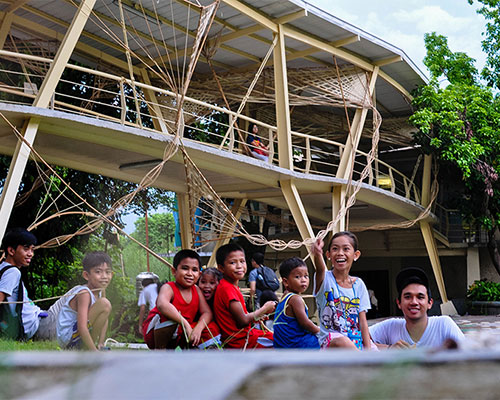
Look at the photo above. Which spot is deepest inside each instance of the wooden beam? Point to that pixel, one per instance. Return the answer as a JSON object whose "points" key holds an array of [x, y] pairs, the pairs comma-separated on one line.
{"points": [[388, 60], [257, 16], [5, 28], [325, 46], [185, 220], [282, 104], [15, 5]]}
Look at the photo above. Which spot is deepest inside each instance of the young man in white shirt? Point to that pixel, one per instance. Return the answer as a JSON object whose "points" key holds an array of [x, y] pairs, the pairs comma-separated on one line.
{"points": [[147, 297], [416, 329]]}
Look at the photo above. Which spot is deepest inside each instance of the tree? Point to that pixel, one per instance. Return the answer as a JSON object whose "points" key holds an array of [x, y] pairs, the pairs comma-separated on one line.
{"points": [[460, 126]]}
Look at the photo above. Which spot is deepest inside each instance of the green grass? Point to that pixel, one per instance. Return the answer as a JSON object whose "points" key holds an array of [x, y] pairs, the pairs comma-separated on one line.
{"points": [[30, 345]]}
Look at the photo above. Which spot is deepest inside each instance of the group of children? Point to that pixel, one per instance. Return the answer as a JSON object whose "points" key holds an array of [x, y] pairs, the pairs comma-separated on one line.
{"points": [[187, 314], [204, 307]]}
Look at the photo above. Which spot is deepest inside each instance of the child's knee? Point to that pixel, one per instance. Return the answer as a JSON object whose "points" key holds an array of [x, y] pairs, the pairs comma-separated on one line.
{"points": [[342, 341], [103, 305]]}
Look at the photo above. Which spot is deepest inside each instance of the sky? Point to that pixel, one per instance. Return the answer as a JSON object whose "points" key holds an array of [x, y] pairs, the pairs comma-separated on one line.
{"points": [[403, 23]]}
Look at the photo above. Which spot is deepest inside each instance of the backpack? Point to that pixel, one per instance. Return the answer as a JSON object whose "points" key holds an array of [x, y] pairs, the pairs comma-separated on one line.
{"points": [[267, 279], [11, 326]]}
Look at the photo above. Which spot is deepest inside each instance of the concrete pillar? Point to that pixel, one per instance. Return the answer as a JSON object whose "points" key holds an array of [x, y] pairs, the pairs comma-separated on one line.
{"points": [[473, 265]]}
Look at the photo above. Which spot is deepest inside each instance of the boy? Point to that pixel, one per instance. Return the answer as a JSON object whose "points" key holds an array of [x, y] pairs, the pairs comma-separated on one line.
{"points": [[173, 322], [148, 296], [231, 314], [416, 329], [83, 319], [18, 245]]}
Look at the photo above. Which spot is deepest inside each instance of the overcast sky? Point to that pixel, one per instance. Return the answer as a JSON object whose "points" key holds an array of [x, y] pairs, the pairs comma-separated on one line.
{"points": [[403, 23]]}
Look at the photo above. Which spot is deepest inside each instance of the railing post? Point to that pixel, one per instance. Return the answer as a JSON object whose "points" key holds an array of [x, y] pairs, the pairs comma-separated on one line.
{"points": [[123, 103], [308, 155], [271, 145], [231, 133]]}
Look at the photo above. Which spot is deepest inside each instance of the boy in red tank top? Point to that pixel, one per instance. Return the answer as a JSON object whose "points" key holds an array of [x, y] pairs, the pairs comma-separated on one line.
{"points": [[182, 316], [235, 322]]}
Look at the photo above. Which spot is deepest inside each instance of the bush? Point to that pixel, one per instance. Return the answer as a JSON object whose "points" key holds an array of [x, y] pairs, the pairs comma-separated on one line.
{"points": [[484, 290]]}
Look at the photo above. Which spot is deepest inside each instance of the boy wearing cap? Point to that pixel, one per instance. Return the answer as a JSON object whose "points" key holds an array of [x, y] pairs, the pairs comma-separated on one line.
{"points": [[416, 329]]}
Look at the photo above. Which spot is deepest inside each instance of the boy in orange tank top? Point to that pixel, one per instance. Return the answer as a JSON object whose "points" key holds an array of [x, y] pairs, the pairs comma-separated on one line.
{"points": [[182, 316]]}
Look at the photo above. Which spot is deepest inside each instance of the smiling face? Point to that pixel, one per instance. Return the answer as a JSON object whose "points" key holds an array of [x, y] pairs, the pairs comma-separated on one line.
{"points": [[234, 267], [20, 256], [342, 253], [414, 302], [208, 283], [187, 272], [298, 280], [99, 276]]}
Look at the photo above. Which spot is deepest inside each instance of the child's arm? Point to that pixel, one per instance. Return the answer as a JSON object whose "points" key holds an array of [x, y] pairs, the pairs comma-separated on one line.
{"points": [[297, 310], [319, 263], [243, 319], [82, 317], [365, 333], [203, 321], [168, 310]]}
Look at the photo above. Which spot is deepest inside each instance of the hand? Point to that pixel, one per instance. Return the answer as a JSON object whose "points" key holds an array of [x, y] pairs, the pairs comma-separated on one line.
{"points": [[195, 336], [401, 344], [317, 248], [268, 307]]}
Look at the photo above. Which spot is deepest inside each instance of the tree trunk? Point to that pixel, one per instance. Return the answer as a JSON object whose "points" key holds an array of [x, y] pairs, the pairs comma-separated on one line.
{"points": [[493, 249]]}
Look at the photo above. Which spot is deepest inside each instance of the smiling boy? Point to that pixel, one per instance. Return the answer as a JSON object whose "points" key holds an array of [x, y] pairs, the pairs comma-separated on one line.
{"points": [[234, 320], [416, 329]]}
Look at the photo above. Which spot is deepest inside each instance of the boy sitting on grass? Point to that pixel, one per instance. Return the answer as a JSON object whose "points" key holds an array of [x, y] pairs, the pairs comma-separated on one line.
{"points": [[231, 314], [83, 318], [182, 316]]}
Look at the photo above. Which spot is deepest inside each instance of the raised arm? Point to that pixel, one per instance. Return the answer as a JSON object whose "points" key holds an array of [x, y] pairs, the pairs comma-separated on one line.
{"points": [[319, 263], [296, 308]]}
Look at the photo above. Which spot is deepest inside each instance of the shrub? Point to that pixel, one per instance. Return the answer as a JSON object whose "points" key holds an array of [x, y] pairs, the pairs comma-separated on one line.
{"points": [[484, 290]]}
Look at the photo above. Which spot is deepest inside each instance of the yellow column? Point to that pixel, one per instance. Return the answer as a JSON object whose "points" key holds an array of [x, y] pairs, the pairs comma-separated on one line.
{"points": [[282, 104], [184, 220]]}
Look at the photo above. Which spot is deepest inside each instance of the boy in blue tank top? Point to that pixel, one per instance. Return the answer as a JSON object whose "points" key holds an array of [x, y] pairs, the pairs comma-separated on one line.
{"points": [[292, 326]]}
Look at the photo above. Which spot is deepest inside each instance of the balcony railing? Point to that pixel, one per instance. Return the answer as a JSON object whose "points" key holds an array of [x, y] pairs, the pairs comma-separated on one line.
{"points": [[106, 96]]}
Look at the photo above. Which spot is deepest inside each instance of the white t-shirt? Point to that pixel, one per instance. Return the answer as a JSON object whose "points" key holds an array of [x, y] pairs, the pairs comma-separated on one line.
{"points": [[339, 307], [9, 284], [148, 296], [67, 317], [439, 328]]}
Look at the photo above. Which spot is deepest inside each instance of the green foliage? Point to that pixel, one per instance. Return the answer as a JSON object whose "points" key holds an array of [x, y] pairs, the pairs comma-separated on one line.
{"points": [[484, 290], [460, 126]]}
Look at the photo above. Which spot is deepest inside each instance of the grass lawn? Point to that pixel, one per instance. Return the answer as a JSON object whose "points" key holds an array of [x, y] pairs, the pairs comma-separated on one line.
{"points": [[30, 345]]}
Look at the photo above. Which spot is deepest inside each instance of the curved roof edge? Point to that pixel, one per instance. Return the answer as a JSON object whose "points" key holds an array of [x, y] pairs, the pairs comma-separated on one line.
{"points": [[358, 31]]}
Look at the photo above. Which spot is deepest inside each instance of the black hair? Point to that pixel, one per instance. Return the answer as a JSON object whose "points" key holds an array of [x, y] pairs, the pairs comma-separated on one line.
{"points": [[147, 282], [258, 258], [94, 259], [18, 237], [250, 127], [212, 271], [186, 253], [350, 235], [223, 252], [289, 265], [267, 295]]}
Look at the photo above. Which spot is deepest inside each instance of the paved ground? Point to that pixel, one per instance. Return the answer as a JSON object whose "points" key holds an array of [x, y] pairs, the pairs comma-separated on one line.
{"points": [[406, 374]]}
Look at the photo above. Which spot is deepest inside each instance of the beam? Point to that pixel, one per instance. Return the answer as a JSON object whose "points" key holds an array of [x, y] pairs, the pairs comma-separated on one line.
{"points": [[282, 106], [297, 208], [325, 46], [258, 17], [5, 28], [184, 220], [15, 5], [388, 60]]}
